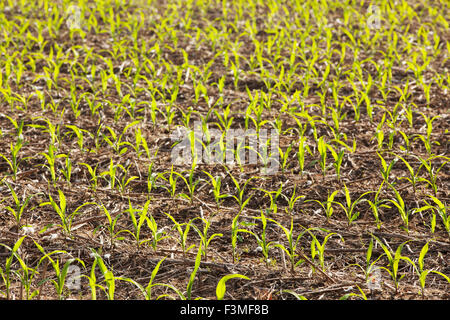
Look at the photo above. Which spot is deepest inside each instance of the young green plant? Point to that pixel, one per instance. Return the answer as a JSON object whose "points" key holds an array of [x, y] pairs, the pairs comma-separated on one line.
{"points": [[393, 261]]}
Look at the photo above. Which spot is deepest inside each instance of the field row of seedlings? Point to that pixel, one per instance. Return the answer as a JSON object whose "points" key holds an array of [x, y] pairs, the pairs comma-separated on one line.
{"points": [[118, 179]]}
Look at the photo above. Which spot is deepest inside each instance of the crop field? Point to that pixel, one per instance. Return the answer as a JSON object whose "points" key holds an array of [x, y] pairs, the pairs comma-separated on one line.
{"points": [[224, 149]]}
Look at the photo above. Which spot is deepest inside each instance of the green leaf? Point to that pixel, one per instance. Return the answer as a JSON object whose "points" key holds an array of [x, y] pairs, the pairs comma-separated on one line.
{"points": [[194, 272], [17, 244], [369, 252], [221, 286], [423, 252]]}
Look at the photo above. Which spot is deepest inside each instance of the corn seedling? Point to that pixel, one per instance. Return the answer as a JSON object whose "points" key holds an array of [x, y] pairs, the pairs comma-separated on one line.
{"points": [[273, 195], [205, 238], [318, 249], [172, 179], [293, 200], [376, 205], [115, 141], [19, 206], [93, 174], [224, 119], [194, 272], [182, 234], [326, 205], [147, 291], [385, 170], [284, 156], [188, 294], [15, 161], [7, 272], [93, 285], [393, 261], [413, 177], [66, 218], [431, 172], [190, 183], [138, 218], [151, 177], [60, 270], [79, 134], [422, 273], [402, 209], [370, 266], [216, 183], [157, 234], [240, 189], [263, 244], [322, 148], [407, 147], [379, 135], [124, 180], [51, 158], [235, 230], [221, 285], [429, 128], [111, 172], [26, 276], [293, 242], [108, 275], [51, 129], [67, 170], [338, 157], [302, 148], [113, 233], [83, 117], [350, 205], [440, 208]]}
